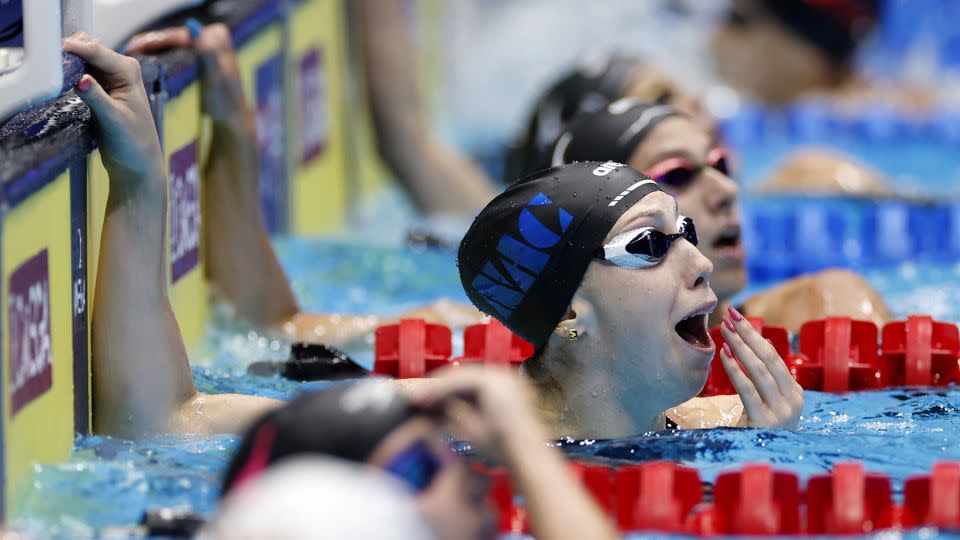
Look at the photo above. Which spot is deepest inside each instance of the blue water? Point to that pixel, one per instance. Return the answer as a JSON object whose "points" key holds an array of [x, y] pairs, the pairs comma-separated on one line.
{"points": [[110, 482]]}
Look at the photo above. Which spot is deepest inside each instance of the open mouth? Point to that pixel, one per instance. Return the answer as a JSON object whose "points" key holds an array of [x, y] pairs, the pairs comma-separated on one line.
{"points": [[693, 330], [730, 238]]}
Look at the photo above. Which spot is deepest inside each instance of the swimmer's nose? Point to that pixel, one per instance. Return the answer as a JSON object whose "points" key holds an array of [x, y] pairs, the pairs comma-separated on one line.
{"points": [[723, 193], [699, 268]]}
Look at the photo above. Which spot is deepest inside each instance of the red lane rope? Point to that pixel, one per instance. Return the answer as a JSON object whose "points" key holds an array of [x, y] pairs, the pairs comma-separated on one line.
{"points": [[836, 354], [757, 500]]}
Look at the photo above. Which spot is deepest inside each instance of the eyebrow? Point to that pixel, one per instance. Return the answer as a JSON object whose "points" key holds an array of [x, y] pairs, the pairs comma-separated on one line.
{"points": [[677, 153], [632, 224]]}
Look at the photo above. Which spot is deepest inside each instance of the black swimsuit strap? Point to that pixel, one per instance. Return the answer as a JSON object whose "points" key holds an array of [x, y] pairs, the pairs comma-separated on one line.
{"points": [[670, 424]]}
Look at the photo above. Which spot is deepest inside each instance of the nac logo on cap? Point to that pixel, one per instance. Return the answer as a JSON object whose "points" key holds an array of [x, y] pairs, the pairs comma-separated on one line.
{"points": [[505, 278], [607, 168]]}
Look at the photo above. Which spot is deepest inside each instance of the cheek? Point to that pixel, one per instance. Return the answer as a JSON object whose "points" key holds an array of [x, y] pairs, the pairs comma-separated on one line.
{"points": [[637, 304]]}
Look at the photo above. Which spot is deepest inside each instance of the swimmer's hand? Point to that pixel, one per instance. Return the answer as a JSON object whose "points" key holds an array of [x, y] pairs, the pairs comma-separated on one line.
{"points": [[127, 137], [222, 98], [493, 408], [770, 395]]}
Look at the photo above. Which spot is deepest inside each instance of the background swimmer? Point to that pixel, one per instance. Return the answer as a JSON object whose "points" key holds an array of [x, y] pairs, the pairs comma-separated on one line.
{"points": [[778, 51], [620, 338], [689, 164], [588, 88]]}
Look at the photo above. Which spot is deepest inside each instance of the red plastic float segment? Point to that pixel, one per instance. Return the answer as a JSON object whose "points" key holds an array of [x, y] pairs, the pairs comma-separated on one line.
{"points": [[494, 343], [919, 352], [841, 355], [512, 518], [412, 348], [718, 382], [599, 482], [933, 500], [656, 496], [756, 500], [849, 501]]}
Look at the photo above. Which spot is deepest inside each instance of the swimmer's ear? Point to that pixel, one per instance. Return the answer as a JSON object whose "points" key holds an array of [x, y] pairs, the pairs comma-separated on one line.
{"points": [[577, 322]]}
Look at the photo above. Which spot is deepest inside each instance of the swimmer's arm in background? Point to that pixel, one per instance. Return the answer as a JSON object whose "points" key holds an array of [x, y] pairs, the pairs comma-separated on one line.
{"points": [[241, 264], [829, 293], [440, 179], [141, 376]]}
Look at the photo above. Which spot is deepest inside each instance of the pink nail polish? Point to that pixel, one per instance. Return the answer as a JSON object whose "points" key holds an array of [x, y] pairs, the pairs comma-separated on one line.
{"points": [[727, 351], [84, 84], [734, 314], [728, 324]]}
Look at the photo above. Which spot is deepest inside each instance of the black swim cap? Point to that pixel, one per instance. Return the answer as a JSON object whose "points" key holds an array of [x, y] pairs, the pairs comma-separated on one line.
{"points": [[613, 132], [525, 255], [834, 26], [590, 87], [347, 421]]}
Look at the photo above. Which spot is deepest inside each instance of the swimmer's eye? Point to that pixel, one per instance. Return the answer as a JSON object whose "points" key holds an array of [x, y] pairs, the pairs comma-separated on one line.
{"points": [[719, 159], [646, 247]]}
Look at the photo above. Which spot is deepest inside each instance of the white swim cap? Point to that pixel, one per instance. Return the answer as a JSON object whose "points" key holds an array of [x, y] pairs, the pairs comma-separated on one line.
{"points": [[319, 498]]}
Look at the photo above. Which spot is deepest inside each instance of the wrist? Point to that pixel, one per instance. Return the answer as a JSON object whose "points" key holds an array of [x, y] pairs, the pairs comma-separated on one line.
{"points": [[521, 439], [241, 124]]}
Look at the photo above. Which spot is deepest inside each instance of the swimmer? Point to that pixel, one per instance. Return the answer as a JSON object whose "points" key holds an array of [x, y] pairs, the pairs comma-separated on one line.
{"points": [[596, 266], [142, 384], [371, 422], [778, 51], [588, 88], [242, 266], [687, 163]]}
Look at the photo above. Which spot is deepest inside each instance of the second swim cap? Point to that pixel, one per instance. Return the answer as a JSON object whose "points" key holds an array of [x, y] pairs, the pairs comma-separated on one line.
{"points": [[346, 421], [613, 132], [525, 255]]}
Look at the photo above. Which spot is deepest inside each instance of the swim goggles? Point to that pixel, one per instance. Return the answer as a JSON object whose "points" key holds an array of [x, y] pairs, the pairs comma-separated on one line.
{"points": [[678, 172], [645, 247], [417, 465]]}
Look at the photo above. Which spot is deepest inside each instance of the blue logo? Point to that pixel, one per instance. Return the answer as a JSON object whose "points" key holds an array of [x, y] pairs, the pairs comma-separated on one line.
{"points": [[504, 280]]}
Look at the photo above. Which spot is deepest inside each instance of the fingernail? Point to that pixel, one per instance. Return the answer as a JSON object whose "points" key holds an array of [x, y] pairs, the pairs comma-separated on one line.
{"points": [[727, 351], [84, 84], [728, 324], [735, 314], [194, 28]]}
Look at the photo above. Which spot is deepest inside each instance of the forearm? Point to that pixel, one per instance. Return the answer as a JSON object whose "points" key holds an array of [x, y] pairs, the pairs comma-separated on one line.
{"points": [[220, 413], [140, 368], [557, 504], [439, 179], [241, 262]]}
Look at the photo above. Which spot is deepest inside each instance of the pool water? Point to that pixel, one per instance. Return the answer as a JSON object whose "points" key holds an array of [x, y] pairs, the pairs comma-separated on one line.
{"points": [[110, 482]]}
